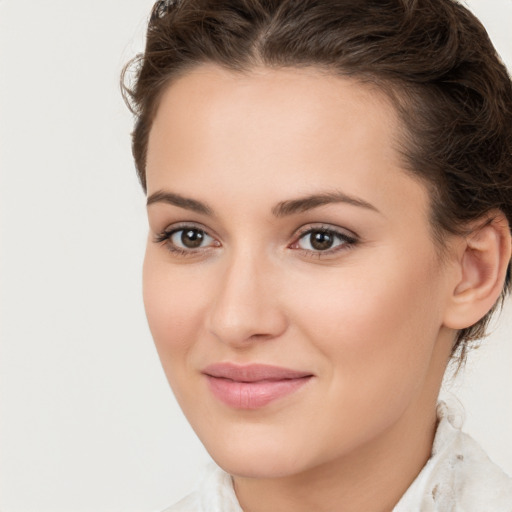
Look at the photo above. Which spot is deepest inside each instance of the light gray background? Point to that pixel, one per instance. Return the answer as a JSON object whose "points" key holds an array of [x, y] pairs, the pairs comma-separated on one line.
{"points": [[87, 422]]}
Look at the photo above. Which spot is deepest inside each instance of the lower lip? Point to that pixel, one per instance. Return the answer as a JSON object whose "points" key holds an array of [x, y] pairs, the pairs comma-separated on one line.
{"points": [[253, 395]]}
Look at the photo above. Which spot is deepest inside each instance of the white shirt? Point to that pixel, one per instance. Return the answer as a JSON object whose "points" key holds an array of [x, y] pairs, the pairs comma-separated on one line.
{"points": [[458, 477]]}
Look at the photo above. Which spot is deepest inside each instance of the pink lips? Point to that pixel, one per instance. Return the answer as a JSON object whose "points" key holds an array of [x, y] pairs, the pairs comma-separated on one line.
{"points": [[252, 386]]}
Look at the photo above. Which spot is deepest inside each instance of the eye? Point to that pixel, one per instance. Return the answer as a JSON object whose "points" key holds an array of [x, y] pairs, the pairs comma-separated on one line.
{"points": [[186, 240], [190, 238], [323, 240]]}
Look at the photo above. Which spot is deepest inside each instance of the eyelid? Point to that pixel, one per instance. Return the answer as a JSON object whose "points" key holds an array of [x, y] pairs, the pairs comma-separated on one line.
{"points": [[343, 232], [177, 226], [164, 237], [349, 239]]}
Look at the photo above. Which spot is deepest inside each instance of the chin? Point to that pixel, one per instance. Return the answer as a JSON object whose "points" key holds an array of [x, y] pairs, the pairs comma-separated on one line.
{"points": [[258, 464], [259, 452]]}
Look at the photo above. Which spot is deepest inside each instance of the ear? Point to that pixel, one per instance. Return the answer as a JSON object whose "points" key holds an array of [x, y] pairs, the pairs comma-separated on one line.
{"points": [[482, 261]]}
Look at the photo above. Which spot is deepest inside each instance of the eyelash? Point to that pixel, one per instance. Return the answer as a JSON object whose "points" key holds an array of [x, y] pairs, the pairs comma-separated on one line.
{"points": [[165, 238], [346, 241]]}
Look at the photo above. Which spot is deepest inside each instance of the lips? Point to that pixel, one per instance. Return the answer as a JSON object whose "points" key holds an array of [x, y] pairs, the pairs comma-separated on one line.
{"points": [[252, 386]]}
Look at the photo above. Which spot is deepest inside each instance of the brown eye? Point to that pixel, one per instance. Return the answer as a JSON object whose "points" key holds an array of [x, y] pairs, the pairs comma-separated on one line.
{"points": [[190, 238], [318, 240], [321, 240]]}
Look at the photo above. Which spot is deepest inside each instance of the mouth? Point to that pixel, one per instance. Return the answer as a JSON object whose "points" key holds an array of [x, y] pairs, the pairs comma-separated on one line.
{"points": [[252, 386]]}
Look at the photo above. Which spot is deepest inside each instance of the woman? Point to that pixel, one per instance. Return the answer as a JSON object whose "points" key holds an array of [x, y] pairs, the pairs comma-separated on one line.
{"points": [[329, 200]]}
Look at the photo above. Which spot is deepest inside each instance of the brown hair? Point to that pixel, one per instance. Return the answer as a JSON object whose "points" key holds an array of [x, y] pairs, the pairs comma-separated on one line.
{"points": [[432, 57]]}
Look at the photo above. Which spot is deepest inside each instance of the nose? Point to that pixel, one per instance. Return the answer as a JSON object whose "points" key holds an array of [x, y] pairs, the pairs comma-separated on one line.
{"points": [[246, 305]]}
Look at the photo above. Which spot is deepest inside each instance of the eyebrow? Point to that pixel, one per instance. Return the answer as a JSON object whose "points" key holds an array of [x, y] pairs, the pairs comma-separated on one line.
{"points": [[180, 201], [306, 203], [282, 209]]}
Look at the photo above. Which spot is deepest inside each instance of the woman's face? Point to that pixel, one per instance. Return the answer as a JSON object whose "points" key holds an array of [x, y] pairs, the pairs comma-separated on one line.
{"points": [[291, 284]]}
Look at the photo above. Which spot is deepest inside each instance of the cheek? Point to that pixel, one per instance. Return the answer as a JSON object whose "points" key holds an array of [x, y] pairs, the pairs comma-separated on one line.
{"points": [[376, 335], [380, 320], [173, 304]]}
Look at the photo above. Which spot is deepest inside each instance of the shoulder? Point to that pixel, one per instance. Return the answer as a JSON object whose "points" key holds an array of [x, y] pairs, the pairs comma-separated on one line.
{"points": [[459, 476], [213, 493], [477, 483]]}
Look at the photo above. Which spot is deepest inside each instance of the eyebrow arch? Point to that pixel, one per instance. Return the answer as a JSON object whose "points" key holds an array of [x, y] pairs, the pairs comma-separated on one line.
{"points": [[162, 196], [303, 204], [282, 209]]}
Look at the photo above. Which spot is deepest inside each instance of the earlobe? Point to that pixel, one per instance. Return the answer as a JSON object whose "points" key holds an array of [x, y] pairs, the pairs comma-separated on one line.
{"points": [[483, 260]]}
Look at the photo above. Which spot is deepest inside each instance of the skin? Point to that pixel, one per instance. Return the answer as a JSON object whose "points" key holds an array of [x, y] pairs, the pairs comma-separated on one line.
{"points": [[367, 319]]}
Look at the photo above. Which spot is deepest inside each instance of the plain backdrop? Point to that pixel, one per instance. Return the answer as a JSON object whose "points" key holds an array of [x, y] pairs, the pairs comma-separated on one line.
{"points": [[87, 422]]}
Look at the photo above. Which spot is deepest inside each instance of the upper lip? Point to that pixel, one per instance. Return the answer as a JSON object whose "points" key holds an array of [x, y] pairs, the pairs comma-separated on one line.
{"points": [[252, 372]]}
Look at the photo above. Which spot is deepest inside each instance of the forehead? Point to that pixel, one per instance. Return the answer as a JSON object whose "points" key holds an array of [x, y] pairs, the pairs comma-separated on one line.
{"points": [[306, 98], [276, 130]]}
